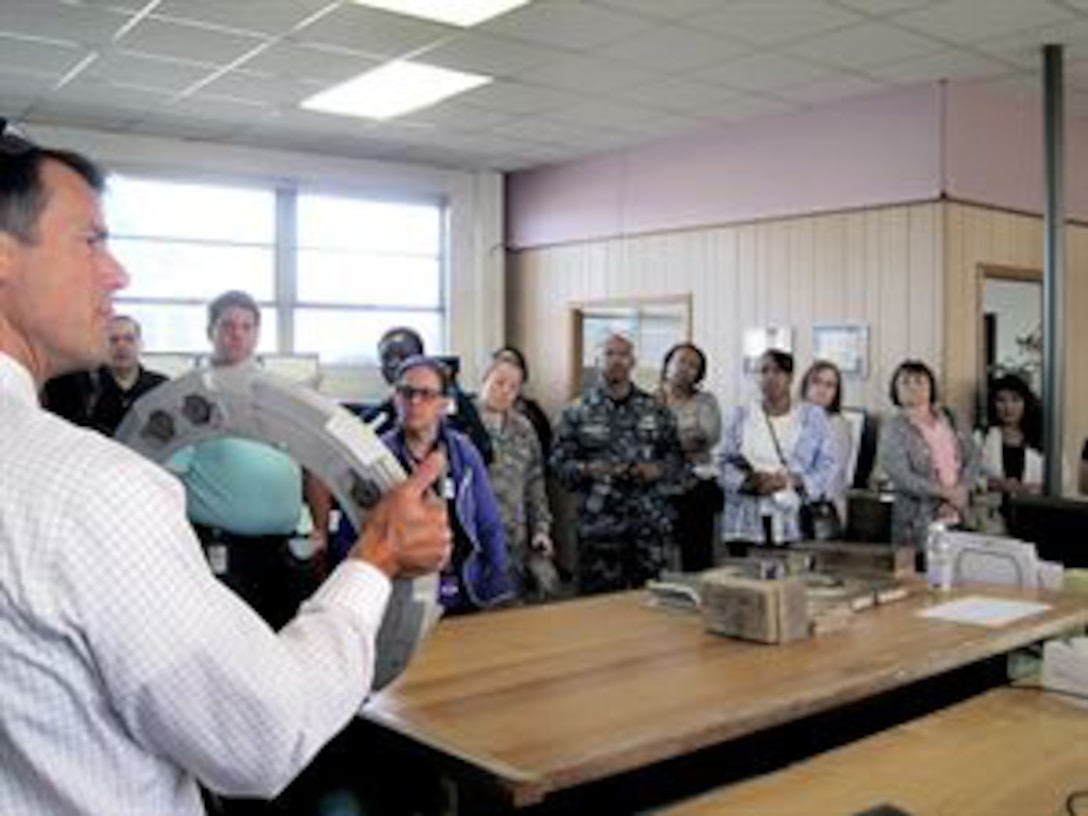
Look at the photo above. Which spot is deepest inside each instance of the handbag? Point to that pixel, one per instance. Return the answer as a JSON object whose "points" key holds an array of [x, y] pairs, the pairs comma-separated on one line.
{"points": [[818, 518]]}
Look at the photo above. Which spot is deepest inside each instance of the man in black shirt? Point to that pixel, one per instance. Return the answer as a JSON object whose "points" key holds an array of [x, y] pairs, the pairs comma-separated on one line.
{"points": [[396, 346], [100, 399], [122, 380]]}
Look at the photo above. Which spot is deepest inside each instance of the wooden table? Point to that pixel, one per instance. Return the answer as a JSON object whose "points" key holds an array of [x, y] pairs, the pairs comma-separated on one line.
{"points": [[545, 698], [1004, 753]]}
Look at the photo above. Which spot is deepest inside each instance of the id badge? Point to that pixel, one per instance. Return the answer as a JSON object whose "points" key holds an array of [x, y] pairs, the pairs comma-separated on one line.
{"points": [[448, 488], [218, 559]]}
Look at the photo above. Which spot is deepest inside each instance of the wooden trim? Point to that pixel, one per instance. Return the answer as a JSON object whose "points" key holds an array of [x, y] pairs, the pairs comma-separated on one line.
{"points": [[983, 271], [635, 302], [1014, 273], [576, 310], [711, 225]]}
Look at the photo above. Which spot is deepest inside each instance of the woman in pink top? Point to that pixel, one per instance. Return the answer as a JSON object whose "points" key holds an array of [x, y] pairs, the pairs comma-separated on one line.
{"points": [[928, 456]]}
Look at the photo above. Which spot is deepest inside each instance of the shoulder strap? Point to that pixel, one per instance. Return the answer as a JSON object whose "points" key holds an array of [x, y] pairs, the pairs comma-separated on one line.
{"points": [[774, 438]]}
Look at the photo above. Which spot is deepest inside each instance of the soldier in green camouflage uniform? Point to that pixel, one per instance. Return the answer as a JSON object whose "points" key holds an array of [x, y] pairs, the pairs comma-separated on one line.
{"points": [[517, 477], [618, 448]]}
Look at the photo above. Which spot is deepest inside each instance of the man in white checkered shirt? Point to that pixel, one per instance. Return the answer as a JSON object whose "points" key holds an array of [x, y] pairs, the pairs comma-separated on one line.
{"points": [[127, 672]]}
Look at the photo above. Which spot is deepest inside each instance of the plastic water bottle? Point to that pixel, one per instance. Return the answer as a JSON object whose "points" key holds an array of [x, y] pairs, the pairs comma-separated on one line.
{"points": [[938, 557]]}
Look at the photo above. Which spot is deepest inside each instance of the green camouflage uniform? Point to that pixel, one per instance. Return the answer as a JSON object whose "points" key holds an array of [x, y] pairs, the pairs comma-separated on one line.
{"points": [[517, 478], [623, 524]]}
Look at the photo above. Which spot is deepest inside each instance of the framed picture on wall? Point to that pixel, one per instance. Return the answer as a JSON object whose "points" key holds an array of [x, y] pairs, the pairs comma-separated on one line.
{"points": [[844, 344], [760, 339]]}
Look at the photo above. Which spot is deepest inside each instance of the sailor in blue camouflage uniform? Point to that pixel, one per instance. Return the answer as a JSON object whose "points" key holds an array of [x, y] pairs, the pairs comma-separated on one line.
{"points": [[618, 448]]}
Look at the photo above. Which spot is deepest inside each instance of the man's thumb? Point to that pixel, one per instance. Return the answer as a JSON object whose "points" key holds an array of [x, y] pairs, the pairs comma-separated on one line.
{"points": [[426, 473]]}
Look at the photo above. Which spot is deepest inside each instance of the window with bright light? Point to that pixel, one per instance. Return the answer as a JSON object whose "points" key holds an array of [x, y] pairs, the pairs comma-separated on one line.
{"points": [[362, 267], [330, 280], [182, 244]]}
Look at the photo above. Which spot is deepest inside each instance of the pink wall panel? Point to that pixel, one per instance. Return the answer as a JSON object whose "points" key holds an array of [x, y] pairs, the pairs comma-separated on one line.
{"points": [[994, 151], [863, 152]]}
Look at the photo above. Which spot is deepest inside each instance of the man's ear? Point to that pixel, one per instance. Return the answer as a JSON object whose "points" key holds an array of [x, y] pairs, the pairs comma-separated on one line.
{"points": [[9, 255]]}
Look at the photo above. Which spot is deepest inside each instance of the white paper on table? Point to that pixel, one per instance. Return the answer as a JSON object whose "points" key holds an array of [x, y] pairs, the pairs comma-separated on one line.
{"points": [[981, 611]]}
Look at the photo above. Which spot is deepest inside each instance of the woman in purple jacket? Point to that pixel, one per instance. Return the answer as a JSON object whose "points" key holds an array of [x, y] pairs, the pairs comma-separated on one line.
{"points": [[477, 576]]}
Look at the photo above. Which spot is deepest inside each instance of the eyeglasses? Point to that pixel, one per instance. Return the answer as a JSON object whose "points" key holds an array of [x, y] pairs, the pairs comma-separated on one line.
{"points": [[12, 140], [409, 393]]}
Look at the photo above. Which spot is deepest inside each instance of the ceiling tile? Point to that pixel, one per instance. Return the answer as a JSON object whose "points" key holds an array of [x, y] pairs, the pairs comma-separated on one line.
{"points": [[460, 116], [770, 23], [14, 103], [21, 83], [128, 97], [675, 94], [673, 48], [567, 24], [831, 89], [1025, 47], [589, 74], [216, 109], [538, 128], [325, 65], [671, 126], [373, 32], [608, 115], [259, 88], [949, 64], [967, 21], [747, 106], [885, 6], [39, 57], [188, 41], [764, 72], [184, 126], [76, 113], [663, 9], [92, 27], [487, 54], [262, 16], [865, 45], [519, 97], [169, 75]]}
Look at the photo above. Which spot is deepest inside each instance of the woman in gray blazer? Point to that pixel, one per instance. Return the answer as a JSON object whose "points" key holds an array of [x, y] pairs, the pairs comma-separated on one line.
{"points": [[927, 454]]}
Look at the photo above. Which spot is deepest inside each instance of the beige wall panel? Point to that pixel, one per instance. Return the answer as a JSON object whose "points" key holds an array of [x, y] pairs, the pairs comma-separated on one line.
{"points": [[877, 267], [977, 235]]}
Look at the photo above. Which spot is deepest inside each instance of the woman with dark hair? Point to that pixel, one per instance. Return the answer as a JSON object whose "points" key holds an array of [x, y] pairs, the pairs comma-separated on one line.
{"points": [[926, 453], [822, 386], [776, 454], [1012, 459], [524, 405], [699, 424]]}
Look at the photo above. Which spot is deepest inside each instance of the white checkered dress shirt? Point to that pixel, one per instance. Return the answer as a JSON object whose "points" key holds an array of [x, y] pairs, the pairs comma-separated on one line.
{"points": [[126, 670]]}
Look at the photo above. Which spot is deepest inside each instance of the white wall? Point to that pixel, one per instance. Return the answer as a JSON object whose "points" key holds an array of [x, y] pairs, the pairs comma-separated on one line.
{"points": [[475, 274]]}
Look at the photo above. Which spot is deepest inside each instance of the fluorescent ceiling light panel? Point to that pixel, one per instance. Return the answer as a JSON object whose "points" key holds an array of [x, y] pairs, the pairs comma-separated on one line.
{"points": [[462, 13], [394, 89]]}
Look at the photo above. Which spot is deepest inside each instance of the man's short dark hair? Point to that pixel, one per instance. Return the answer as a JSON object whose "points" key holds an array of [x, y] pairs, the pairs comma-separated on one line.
{"points": [[129, 319], [23, 195], [402, 336], [234, 299]]}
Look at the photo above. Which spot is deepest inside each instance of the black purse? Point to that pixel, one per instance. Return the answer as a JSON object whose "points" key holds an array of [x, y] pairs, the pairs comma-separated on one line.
{"points": [[818, 518]]}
